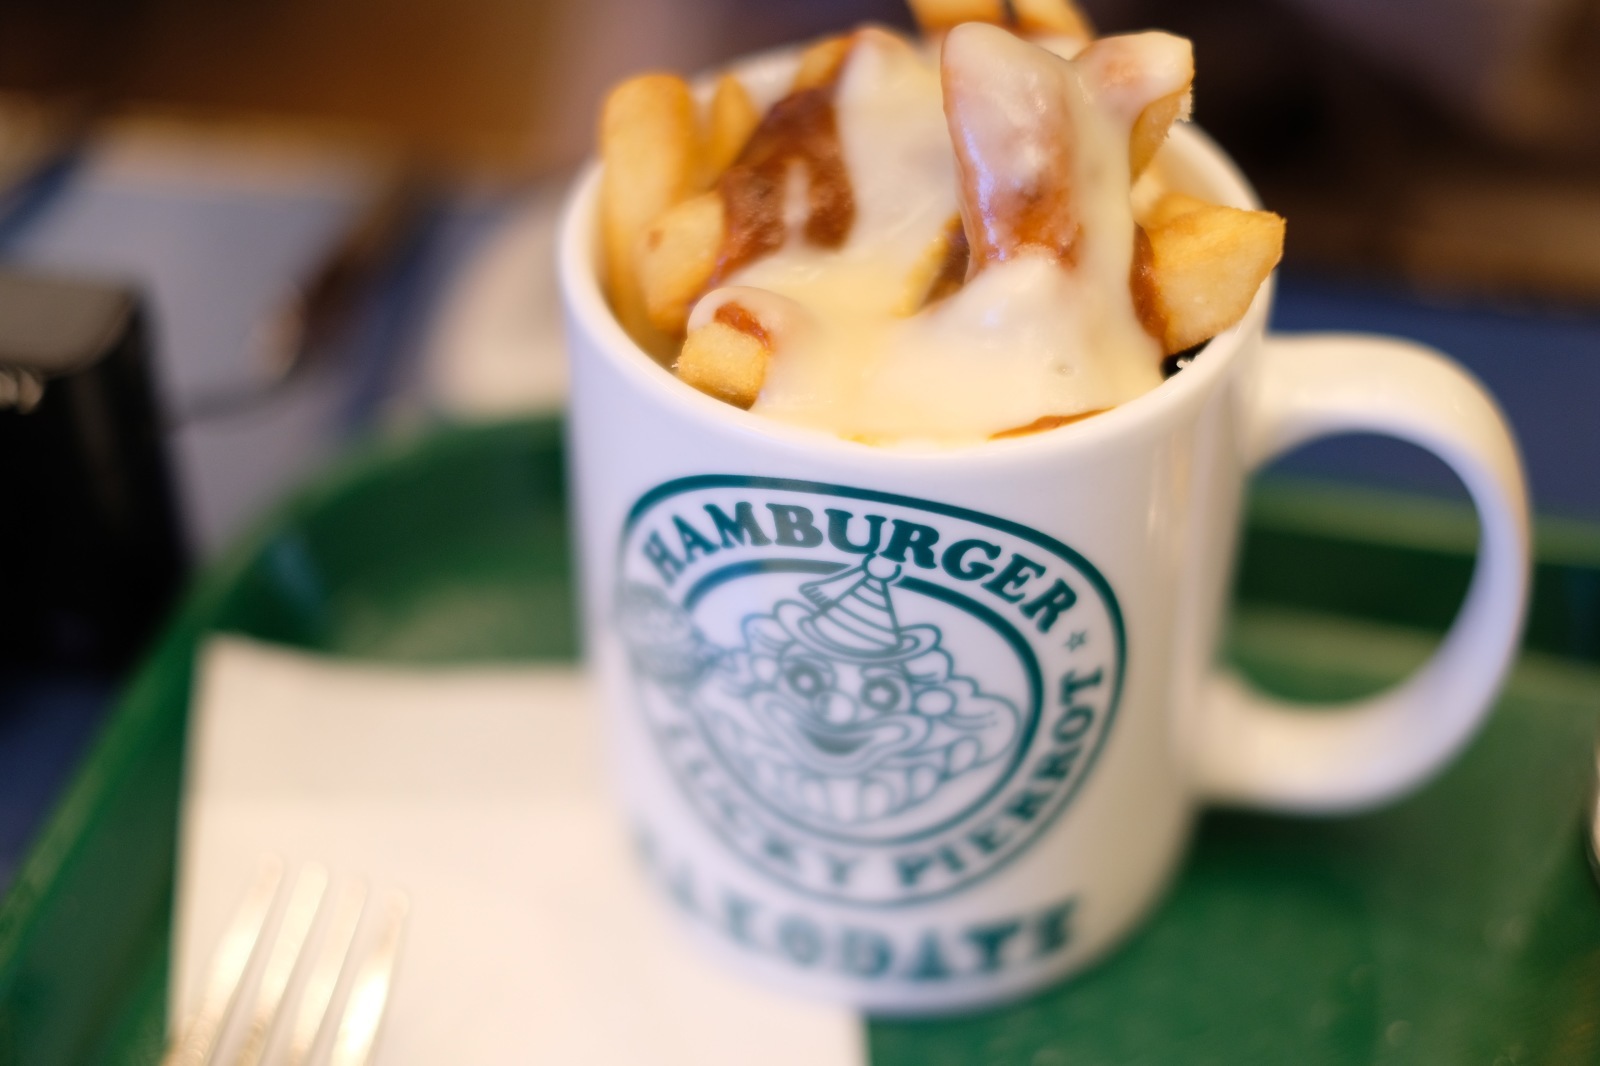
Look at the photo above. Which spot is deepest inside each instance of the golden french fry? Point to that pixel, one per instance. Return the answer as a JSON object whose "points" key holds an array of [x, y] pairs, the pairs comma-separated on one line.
{"points": [[1143, 79], [1196, 273], [732, 118], [1014, 165], [1169, 207], [1150, 128], [820, 62], [936, 16], [1051, 17], [649, 147], [727, 357], [677, 256]]}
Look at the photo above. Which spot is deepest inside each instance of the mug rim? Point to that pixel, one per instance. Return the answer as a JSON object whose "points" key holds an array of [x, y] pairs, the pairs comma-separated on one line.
{"points": [[589, 311]]}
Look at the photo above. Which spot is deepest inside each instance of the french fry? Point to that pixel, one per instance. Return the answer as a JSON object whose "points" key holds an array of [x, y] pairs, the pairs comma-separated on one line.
{"points": [[729, 123], [1151, 127], [727, 357], [1144, 79], [1170, 206], [1063, 17], [649, 148], [941, 270], [937, 16], [677, 256], [820, 62], [1014, 165], [1197, 271]]}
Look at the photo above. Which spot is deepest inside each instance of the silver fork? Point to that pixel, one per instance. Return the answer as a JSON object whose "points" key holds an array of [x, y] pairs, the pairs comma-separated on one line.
{"points": [[275, 955]]}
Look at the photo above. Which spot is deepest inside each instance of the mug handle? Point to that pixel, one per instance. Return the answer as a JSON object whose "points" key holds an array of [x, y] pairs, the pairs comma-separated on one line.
{"points": [[1261, 752]]}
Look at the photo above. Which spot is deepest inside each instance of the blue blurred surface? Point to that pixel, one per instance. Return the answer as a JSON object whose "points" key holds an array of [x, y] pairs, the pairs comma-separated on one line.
{"points": [[46, 722], [1543, 364]]}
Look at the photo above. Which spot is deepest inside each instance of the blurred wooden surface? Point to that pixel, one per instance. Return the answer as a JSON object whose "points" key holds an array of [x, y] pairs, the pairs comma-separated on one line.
{"points": [[497, 84]]}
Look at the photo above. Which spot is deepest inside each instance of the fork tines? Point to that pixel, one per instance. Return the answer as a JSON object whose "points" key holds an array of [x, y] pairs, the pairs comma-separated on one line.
{"points": [[292, 950]]}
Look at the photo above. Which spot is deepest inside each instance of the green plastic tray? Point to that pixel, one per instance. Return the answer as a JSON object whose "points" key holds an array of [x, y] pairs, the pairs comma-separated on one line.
{"points": [[1461, 926]]}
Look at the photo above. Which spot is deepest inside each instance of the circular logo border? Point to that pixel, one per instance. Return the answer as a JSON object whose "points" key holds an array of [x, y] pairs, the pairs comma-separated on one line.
{"points": [[680, 486]]}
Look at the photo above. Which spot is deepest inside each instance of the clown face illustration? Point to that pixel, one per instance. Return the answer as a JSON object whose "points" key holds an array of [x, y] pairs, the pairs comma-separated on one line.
{"points": [[831, 710]]}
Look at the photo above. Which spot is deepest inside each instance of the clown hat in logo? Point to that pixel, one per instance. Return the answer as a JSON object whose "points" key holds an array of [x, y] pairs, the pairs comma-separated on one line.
{"points": [[850, 616]]}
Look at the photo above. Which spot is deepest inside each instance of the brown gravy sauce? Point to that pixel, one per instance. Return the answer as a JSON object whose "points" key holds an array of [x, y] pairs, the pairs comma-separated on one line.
{"points": [[803, 129], [1039, 425], [1008, 217], [738, 318], [1037, 217]]}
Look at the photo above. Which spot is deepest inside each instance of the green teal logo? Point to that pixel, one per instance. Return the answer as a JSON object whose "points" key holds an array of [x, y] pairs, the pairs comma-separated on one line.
{"points": [[870, 698]]}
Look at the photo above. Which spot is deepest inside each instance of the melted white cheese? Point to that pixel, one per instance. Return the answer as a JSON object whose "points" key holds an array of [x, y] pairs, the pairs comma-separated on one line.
{"points": [[1024, 339]]}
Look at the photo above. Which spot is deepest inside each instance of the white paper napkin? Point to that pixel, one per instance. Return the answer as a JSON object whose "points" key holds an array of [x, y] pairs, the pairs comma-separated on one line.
{"points": [[530, 937]]}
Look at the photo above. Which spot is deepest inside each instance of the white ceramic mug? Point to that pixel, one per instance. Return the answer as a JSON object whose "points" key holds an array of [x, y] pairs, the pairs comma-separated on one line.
{"points": [[923, 731]]}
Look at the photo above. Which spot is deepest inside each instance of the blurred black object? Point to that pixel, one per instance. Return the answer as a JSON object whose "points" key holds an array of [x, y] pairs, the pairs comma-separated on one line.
{"points": [[91, 553]]}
